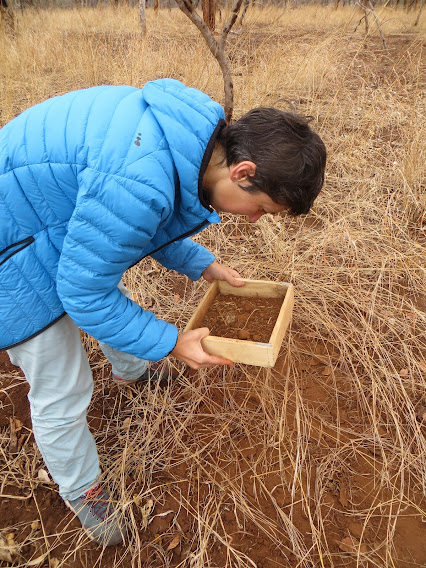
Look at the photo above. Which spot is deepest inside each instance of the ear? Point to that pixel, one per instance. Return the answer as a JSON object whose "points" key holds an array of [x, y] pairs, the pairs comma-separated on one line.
{"points": [[242, 171]]}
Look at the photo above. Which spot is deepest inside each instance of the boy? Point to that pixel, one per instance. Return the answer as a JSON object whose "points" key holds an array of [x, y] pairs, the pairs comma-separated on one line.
{"points": [[92, 182]]}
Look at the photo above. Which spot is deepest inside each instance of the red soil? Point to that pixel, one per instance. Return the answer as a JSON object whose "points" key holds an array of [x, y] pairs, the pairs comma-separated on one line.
{"points": [[238, 317]]}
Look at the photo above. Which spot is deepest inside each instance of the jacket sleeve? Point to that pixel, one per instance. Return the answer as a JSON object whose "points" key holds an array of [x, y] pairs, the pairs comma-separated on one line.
{"points": [[112, 223], [186, 257]]}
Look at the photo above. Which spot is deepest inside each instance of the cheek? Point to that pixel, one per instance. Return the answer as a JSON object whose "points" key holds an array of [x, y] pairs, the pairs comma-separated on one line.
{"points": [[241, 208], [249, 208], [252, 212]]}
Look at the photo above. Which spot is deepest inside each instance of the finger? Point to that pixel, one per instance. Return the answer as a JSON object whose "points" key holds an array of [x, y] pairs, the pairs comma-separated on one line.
{"points": [[214, 360], [208, 361], [211, 360], [235, 279], [239, 281]]}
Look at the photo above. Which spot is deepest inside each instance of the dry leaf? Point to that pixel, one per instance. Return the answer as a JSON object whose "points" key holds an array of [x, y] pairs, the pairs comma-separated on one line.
{"points": [[7, 550], [43, 476], [175, 542], [5, 554], [15, 428], [352, 546], [146, 511], [17, 424], [126, 423], [356, 529], [137, 500], [39, 560]]}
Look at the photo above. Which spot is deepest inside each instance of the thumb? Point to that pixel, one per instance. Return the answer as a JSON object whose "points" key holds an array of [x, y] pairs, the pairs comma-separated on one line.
{"points": [[203, 332]]}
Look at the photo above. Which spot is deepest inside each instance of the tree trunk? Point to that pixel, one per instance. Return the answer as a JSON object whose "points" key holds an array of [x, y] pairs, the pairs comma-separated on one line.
{"points": [[216, 47], [209, 14]]}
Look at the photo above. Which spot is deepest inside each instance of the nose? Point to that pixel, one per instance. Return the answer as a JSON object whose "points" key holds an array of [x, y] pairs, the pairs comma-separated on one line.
{"points": [[256, 217]]}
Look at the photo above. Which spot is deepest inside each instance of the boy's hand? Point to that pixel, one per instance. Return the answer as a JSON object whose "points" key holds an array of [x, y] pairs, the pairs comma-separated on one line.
{"points": [[189, 350], [217, 271]]}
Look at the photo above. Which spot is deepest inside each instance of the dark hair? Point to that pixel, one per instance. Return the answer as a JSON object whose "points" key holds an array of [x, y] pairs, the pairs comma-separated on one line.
{"points": [[289, 156]]}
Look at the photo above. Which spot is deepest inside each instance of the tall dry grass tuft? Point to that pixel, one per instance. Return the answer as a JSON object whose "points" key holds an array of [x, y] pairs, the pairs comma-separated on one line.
{"points": [[330, 444]]}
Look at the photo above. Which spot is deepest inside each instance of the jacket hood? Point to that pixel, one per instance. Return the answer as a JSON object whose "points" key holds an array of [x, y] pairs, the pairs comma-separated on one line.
{"points": [[190, 121]]}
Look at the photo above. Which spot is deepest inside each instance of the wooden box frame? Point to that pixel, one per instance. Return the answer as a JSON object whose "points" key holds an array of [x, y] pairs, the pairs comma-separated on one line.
{"points": [[240, 351]]}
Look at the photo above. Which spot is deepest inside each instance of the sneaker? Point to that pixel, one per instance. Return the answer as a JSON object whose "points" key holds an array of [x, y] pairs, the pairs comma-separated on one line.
{"points": [[155, 372], [98, 516]]}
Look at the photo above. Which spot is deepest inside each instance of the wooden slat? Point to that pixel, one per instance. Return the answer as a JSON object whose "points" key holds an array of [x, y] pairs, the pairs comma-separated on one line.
{"points": [[248, 352], [203, 307], [283, 320], [239, 351], [255, 288]]}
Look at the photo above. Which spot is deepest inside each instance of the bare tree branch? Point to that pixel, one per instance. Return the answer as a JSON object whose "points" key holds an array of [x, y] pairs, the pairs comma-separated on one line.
{"points": [[418, 15], [373, 11], [231, 21], [217, 48], [368, 7], [245, 8], [142, 17]]}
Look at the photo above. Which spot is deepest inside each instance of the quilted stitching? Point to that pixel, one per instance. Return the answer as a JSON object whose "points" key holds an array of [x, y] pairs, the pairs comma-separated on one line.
{"points": [[118, 199]]}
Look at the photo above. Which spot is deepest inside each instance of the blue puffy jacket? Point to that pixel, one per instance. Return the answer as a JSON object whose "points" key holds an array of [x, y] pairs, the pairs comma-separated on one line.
{"points": [[90, 183]]}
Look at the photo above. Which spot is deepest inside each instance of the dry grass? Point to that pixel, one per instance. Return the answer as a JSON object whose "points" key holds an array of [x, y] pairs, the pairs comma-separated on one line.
{"points": [[333, 434]]}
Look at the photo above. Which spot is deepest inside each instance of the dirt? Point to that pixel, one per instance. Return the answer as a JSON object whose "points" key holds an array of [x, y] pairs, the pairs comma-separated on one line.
{"points": [[354, 491], [245, 318], [177, 490]]}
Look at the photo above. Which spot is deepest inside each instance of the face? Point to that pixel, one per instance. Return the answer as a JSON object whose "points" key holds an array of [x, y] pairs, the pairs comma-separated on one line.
{"points": [[231, 198]]}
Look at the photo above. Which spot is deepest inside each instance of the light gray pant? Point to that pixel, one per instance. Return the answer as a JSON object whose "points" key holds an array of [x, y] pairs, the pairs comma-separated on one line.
{"points": [[61, 385]]}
